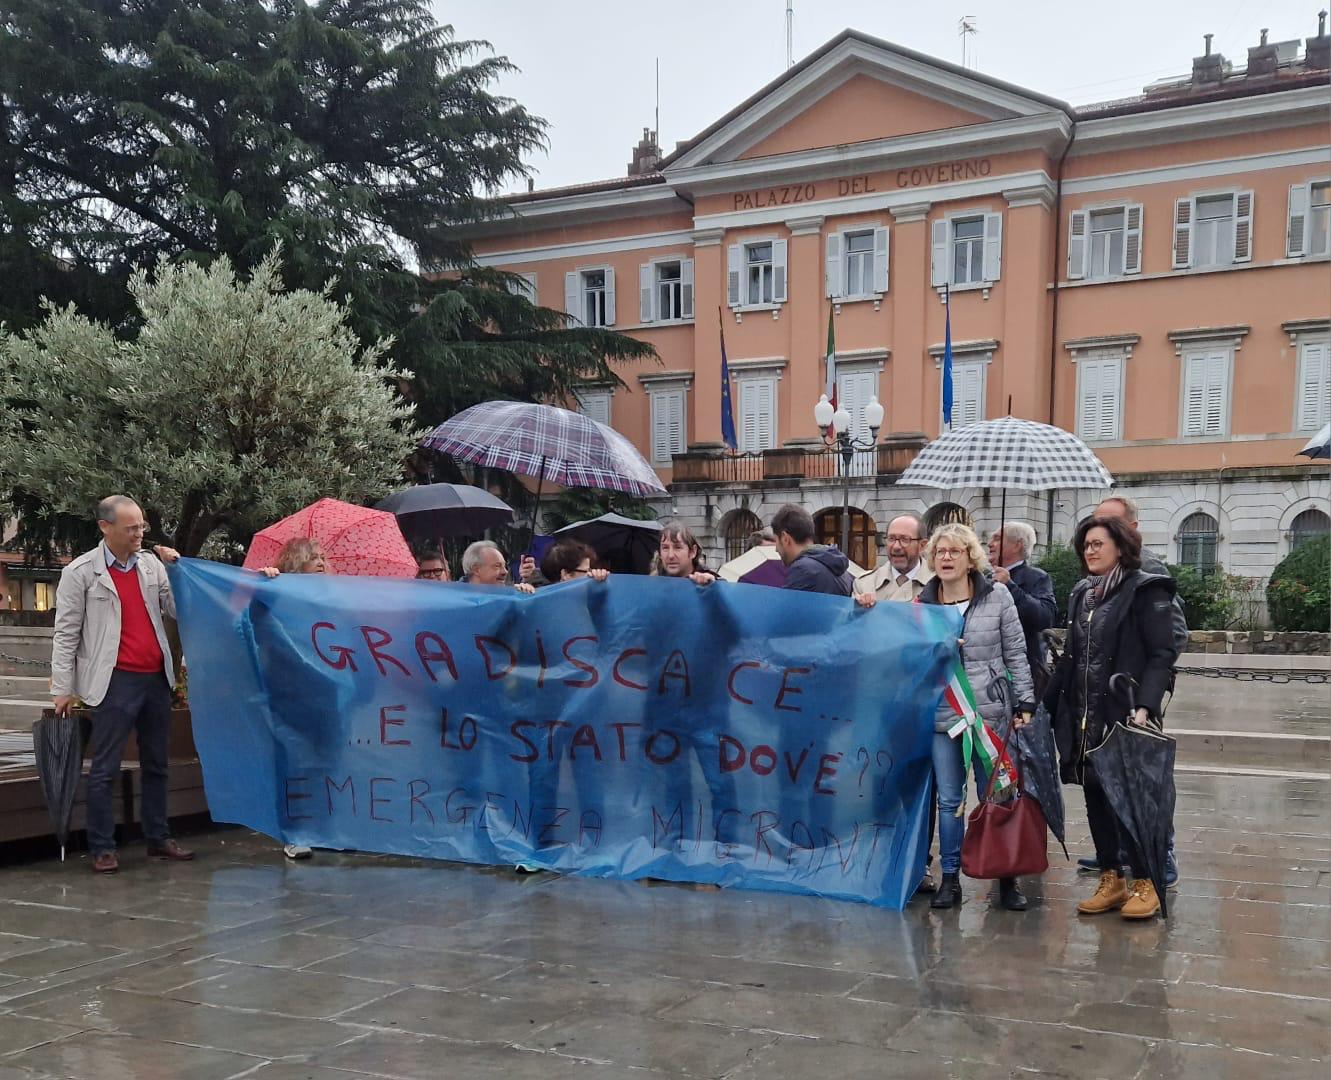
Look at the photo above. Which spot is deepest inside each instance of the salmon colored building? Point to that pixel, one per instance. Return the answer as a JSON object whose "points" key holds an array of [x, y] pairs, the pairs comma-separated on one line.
{"points": [[1151, 273]]}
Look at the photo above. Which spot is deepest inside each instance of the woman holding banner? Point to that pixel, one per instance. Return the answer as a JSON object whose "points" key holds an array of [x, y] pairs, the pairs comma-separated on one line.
{"points": [[679, 555], [993, 649]]}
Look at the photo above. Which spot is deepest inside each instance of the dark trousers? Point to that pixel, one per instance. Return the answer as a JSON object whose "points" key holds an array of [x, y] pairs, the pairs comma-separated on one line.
{"points": [[139, 702], [1113, 846]]}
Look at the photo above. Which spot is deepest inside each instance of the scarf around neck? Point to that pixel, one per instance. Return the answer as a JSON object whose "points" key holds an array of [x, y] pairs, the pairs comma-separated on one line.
{"points": [[1102, 587]]}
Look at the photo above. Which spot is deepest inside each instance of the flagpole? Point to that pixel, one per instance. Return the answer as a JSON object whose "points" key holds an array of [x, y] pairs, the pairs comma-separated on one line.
{"points": [[947, 357]]}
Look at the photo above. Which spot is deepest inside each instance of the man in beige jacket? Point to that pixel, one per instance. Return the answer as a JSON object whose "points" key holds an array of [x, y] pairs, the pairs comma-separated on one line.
{"points": [[110, 649], [904, 575]]}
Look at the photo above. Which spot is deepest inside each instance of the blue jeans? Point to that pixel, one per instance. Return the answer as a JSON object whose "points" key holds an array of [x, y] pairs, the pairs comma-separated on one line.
{"points": [[950, 783]]}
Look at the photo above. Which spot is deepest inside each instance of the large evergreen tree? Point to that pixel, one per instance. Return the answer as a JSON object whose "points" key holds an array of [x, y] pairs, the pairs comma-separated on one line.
{"points": [[359, 134]]}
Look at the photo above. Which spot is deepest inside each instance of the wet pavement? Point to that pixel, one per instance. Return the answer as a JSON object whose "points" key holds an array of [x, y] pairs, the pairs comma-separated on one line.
{"points": [[243, 964]]}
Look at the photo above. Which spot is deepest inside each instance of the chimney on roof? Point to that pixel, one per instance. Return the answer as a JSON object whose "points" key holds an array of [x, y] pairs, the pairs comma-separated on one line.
{"points": [[1209, 68], [1263, 59], [646, 155], [1317, 50], [531, 184]]}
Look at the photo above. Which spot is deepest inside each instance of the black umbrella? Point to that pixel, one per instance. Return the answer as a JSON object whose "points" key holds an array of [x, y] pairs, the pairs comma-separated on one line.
{"points": [[621, 543], [431, 511], [59, 755], [1135, 768], [1037, 762]]}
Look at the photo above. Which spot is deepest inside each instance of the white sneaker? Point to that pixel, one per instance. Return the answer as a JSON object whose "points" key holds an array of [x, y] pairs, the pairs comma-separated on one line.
{"points": [[297, 851]]}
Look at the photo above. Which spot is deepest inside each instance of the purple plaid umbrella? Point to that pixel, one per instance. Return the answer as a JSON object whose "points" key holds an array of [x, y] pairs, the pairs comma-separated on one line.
{"points": [[548, 443]]}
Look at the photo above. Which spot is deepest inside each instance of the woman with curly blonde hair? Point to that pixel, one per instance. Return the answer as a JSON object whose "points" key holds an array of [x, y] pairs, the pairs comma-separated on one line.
{"points": [[993, 647]]}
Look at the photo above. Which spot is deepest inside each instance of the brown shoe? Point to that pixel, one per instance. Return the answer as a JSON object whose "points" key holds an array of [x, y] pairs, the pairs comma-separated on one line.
{"points": [[1144, 903], [105, 863], [1110, 895], [169, 851]]}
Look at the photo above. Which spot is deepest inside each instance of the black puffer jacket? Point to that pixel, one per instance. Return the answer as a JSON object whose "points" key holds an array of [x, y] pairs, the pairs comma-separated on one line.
{"points": [[1130, 632]]}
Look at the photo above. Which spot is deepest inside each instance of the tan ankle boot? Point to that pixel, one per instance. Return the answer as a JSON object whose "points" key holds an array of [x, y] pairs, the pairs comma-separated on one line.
{"points": [[1111, 894], [1144, 903]]}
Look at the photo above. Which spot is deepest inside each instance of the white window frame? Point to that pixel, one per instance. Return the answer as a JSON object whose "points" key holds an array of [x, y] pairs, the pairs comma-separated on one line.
{"points": [[1185, 229], [1080, 241], [660, 391], [1189, 353], [836, 269], [649, 296], [754, 380], [1312, 418], [942, 238], [575, 295], [527, 289], [964, 358], [1098, 360], [596, 402], [1299, 225], [737, 273]]}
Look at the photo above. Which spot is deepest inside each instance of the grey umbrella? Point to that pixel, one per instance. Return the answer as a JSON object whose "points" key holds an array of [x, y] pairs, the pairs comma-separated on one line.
{"points": [[622, 543], [58, 750], [431, 511]]}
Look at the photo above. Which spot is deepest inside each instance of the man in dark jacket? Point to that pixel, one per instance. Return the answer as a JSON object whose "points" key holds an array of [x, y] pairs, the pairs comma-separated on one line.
{"points": [[810, 567], [1031, 588]]}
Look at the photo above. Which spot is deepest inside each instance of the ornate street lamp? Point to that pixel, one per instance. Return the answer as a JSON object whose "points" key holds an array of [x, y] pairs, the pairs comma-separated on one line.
{"points": [[835, 427]]}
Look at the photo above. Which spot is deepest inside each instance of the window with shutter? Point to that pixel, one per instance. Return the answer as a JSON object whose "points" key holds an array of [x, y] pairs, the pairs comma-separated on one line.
{"points": [[1296, 221], [1243, 201], [993, 247], [968, 390], [858, 280], [880, 259], [855, 388], [1318, 229], [668, 424], [1206, 392], [1183, 214], [1099, 391], [686, 288], [779, 274], [594, 404], [1215, 232], [573, 295], [1314, 406], [609, 297], [832, 266], [939, 256], [734, 273], [645, 293], [757, 408], [1132, 239], [669, 287], [1077, 245]]}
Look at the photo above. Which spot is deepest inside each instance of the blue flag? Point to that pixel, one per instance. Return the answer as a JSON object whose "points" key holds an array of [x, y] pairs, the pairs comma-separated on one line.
{"points": [[727, 408], [639, 727], [947, 357]]}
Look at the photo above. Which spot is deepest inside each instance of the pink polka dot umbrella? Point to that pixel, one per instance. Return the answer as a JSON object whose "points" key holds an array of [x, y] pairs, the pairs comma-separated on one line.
{"points": [[355, 540]]}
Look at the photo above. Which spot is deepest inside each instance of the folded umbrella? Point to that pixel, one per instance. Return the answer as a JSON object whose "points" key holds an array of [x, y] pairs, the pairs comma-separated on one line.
{"points": [[58, 750], [355, 540], [621, 543], [431, 511], [1037, 762], [1135, 768]]}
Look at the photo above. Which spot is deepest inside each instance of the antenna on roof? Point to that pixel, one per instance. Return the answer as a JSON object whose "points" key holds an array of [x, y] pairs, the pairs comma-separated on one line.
{"points": [[967, 28], [658, 101], [790, 33]]}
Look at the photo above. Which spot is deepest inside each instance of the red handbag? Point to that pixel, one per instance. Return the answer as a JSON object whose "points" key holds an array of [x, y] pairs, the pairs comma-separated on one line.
{"points": [[1007, 839]]}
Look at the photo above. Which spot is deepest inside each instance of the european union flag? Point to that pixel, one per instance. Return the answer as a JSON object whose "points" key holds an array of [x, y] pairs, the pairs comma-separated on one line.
{"points": [[727, 408]]}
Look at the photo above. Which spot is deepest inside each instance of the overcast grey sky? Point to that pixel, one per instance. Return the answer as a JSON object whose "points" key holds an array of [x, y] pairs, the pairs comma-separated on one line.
{"points": [[587, 66]]}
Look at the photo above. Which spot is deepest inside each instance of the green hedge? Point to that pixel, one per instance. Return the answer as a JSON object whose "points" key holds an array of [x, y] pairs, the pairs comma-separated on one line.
{"points": [[1208, 599], [1063, 565], [1298, 595]]}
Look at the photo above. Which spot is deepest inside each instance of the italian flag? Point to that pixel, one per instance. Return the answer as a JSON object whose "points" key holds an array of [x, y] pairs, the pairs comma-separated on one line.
{"points": [[978, 742], [829, 387]]}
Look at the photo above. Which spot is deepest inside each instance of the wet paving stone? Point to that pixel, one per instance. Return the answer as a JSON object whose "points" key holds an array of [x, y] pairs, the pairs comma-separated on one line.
{"points": [[244, 965]]}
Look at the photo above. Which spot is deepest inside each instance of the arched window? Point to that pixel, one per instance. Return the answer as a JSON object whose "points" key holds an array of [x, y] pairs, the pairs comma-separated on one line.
{"points": [[946, 513], [863, 534], [1197, 538], [740, 525], [1309, 525]]}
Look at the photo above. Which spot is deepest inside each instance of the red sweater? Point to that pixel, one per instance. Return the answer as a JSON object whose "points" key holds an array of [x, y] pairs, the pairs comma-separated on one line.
{"points": [[139, 648]]}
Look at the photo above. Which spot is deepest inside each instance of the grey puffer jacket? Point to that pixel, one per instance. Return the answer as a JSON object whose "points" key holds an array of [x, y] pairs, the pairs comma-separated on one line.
{"points": [[995, 645]]}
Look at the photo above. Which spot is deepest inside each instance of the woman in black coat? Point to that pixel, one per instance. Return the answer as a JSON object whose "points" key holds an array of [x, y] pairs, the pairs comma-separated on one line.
{"points": [[1120, 620]]}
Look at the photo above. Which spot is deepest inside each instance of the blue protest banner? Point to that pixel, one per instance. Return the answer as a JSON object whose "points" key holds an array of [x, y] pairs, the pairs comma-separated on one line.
{"points": [[640, 727]]}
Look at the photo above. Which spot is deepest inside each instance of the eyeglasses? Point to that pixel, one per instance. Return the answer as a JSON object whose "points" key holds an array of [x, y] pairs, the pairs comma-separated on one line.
{"points": [[903, 539], [437, 573], [948, 553], [1093, 545], [583, 570]]}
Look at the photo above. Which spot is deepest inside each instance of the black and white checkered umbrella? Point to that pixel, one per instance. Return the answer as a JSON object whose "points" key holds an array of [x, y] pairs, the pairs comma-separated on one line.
{"points": [[1010, 454]]}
